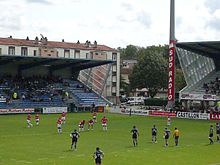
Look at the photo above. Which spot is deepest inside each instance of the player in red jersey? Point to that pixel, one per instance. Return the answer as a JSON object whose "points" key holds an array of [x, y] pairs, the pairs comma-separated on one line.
{"points": [[81, 125], [104, 123], [63, 117], [29, 121], [59, 125], [90, 124], [37, 119], [94, 117]]}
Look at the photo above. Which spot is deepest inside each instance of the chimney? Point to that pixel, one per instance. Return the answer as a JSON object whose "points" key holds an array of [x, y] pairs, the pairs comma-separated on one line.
{"points": [[63, 40], [27, 38], [87, 43], [95, 44], [36, 40], [44, 40], [78, 42], [10, 37]]}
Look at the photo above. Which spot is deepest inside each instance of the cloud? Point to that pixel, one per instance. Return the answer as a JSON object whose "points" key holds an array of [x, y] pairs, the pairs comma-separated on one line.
{"points": [[10, 23], [45, 2], [11, 17], [214, 23], [127, 6], [212, 5], [144, 18]]}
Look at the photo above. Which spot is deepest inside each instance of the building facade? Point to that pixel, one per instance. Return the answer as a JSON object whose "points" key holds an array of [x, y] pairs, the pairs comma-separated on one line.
{"points": [[104, 79]]}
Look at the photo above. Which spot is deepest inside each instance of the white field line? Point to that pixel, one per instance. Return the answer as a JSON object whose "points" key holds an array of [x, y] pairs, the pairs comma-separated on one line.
{"points": [[42, 158], [81, 155], [23, 161], [62, 157]]}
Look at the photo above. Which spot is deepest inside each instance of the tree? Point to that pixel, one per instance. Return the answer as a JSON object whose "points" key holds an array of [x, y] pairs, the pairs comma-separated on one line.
{"points": [[180, 82], [124, 86], [128, 53], [151, 70]]}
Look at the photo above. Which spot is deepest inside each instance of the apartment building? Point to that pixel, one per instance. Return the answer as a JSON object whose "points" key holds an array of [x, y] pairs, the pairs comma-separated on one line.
{"points": [[104, 79]]}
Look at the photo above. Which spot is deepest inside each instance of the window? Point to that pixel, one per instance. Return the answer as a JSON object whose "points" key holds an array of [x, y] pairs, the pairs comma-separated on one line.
{"points": [[24, 51], [67, 53], [114, 56], [11, 50], [113, 94], [35, 52], [0, 51]]}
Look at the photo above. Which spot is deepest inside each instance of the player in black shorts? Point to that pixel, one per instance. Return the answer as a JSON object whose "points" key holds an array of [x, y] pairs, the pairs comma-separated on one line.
{"points": [[218, 131], [154, 134], [166, 136], [74, 135], [135, 135], [98, 155], [211, 130]]}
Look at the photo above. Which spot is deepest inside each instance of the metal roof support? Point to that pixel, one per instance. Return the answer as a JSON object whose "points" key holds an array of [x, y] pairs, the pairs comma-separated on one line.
{"points": [[196, 50], [89, 76], [106, 77]]}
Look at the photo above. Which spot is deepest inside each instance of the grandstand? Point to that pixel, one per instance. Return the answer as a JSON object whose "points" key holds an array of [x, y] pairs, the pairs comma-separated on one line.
{"points": [[200, 64], [41, 73]]}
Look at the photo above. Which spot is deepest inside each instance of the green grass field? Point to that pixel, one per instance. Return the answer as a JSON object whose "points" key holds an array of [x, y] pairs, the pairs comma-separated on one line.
{"points": [[42, 145]]}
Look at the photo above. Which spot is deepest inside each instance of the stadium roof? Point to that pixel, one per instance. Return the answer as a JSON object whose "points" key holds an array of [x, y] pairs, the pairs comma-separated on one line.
{"points": [[206, 48], [53, 63]]}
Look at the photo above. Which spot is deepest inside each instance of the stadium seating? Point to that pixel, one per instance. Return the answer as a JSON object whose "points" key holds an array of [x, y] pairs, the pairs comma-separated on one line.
{"points": [[207, 85], [83, 96], [39, 92], [31, 92]]}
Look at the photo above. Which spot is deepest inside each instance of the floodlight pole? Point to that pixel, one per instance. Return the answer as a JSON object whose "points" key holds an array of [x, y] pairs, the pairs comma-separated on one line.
{"points": [[171, 62]]}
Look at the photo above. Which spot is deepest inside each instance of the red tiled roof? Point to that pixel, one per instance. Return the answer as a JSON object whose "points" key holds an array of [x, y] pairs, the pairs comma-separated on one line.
{"points": [[53, 44]]}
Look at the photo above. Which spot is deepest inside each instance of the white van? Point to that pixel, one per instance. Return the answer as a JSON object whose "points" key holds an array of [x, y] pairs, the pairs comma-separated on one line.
{"points": [[135, 101]]}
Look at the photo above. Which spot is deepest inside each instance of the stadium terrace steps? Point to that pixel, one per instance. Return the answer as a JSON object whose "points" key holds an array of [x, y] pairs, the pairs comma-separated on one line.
{"points": [[84, 96], [198, 88]]}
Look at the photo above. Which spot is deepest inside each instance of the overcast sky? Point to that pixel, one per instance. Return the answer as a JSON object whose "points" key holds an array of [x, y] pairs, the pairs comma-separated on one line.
{"points": [[115, 23]]}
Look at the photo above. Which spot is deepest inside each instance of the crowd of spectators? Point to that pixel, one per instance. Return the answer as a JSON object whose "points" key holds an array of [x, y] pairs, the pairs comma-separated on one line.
{"points": [[212, 87], [33, 88]]}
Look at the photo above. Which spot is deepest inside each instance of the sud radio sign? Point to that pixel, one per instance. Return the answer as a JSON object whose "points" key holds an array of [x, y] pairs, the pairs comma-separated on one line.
{"points": [[170, 94]]}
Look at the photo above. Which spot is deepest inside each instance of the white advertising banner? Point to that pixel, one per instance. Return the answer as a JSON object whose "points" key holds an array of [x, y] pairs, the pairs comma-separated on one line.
{"points": [[134, 111], [192, 115], [54, 109], [195, 96], [11, 111]]}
